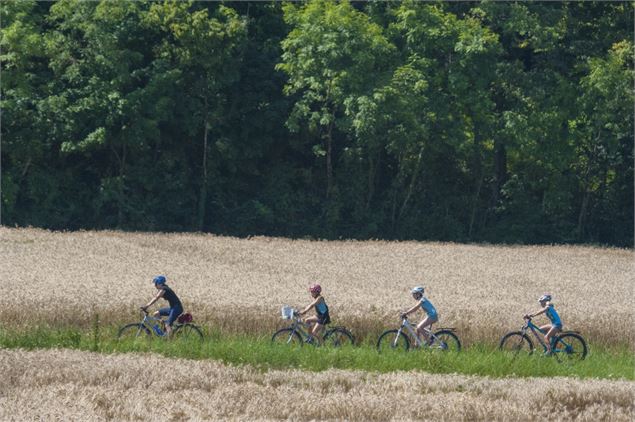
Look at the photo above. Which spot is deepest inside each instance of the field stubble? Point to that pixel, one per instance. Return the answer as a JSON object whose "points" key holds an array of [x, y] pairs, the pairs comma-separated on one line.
{"points": [[74, 385], [238, 285]]}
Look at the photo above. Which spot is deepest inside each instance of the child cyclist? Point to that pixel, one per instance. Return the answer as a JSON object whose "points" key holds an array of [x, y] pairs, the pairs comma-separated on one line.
{"points": [[428, 308], [322, 317], [165, 292], [556, 323]]}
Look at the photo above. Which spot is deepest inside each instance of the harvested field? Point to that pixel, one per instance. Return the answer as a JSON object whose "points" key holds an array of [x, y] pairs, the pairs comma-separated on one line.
{"points": [[72, 385], [238, 285]]}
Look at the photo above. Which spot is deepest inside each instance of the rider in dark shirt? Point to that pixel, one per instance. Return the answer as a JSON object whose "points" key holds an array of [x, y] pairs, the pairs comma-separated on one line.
{"points": [[175, 309]]}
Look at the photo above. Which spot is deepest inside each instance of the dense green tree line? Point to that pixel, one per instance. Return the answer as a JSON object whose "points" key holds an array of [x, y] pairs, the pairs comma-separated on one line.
{"points": [[492, 121]]}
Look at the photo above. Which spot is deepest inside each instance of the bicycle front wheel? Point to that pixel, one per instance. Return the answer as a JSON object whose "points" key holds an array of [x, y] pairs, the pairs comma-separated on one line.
{"points": [[393, 340], [446, 341], [287, 336], [188, 332], [133, 331], [517, 344], [570, 347], [339, 337]]}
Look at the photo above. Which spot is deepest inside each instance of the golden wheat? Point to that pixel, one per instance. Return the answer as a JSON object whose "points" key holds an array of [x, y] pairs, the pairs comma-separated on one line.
{"points": [[240, 284], [74, 385]]}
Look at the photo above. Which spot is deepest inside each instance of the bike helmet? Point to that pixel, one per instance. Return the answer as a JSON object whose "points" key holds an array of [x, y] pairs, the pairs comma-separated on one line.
{"points": [[417, 290], [545, 298], [160, 279], [315, 288]]}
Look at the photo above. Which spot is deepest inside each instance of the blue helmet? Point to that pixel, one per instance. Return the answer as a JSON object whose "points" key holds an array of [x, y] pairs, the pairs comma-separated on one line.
{"points": [[160, 279], [417, 290]]}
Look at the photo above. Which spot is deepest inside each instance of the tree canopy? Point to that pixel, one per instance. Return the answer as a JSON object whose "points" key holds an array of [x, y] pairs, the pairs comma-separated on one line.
{"points": [[492, 121]]}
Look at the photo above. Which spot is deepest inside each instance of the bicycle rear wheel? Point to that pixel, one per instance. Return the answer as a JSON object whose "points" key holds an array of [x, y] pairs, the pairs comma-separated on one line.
{"points": [[133, 331], [393, 340], [188, 332], [516, 344], [446, 341], [570, 347], [287, 336], [339, 337]]}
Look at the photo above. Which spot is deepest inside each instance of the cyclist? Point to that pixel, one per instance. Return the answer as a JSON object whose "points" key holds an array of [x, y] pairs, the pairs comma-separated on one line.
{"points": [[165, 292], [428, 308], [319, 321], [556, 323]]}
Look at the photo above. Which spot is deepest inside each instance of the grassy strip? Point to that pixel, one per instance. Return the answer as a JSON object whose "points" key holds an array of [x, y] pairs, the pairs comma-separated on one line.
{"points": [[260, 353]]}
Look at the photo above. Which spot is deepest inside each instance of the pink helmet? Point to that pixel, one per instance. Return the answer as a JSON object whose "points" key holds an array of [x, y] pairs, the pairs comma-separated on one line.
{"points": [[315, 288]]}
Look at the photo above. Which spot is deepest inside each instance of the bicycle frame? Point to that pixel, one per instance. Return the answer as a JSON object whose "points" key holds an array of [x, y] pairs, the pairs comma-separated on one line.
{"points": [[148, 323], [299, 326], [535, 330], [413, 332]]}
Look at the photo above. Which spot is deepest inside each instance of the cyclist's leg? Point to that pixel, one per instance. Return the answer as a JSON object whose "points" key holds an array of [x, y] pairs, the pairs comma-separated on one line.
{"points": [[310, 321], [426, 323], [172, 316], [317, 331], [552, 331], [161, 312]]}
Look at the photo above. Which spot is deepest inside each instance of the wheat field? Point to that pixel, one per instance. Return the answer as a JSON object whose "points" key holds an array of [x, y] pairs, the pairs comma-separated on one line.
{"points": [[239, 285], [74, 385]]}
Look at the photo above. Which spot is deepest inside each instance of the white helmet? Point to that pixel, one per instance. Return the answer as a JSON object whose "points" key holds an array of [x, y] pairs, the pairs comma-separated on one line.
{"points": [[418, 289], [545, 298]]}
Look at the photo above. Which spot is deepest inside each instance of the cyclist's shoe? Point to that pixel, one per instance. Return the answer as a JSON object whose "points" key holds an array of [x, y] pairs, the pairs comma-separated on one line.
{"points": [[548, 354]]}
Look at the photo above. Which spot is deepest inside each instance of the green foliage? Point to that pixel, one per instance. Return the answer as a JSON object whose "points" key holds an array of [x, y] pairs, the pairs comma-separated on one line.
{"points": [[262, 354], [491, 121]]}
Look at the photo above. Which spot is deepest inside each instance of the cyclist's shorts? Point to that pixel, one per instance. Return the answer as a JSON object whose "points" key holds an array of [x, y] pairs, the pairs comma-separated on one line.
{"points": [[324, 319], [171, 313], [433, 317], [558, 326]]}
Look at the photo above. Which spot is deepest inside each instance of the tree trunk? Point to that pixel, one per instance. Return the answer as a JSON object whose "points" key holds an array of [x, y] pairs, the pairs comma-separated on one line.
{"points": [[478, 172], [583, 212], [411, 185], [500, 169], [202, 200], [500, 178], [329, 162], [372, 174], [122, 175]]}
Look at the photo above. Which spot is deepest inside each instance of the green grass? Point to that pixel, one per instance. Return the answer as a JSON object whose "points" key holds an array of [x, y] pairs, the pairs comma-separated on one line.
{"points": [[260, 353]]}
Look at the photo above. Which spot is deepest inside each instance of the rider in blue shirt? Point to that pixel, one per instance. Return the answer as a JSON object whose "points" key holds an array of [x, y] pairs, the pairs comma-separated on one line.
{"points": [[173, 311], [556, 323], [427, 307], [321, 310]]}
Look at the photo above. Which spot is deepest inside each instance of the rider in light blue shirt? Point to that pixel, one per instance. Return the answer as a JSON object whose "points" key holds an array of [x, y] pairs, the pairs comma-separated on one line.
{"points": [[556, 323], [427, 307]]}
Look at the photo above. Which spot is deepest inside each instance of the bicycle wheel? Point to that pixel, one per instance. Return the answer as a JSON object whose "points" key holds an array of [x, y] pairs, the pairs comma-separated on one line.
{"points": [[133, 331], [287, 336], [339, 337], [446, 341], [393, 340], [516, 343], [187, 332], [570, 347]]}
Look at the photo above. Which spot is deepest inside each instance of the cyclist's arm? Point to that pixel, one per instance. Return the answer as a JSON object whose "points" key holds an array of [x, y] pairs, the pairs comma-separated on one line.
{"points": [[308, 308], [157, 297], [542, 311], [411, 310]]}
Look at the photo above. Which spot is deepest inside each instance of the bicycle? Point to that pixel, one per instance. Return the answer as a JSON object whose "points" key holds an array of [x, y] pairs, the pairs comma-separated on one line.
{"points": [[298, 334], [568, 345], [183, 329], [443, 339]]}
